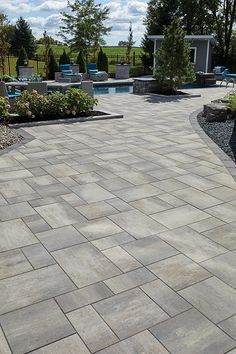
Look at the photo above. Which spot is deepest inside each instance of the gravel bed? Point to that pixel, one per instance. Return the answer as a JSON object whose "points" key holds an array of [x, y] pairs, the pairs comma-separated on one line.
{"points": [[8, 137], [222, 133]]}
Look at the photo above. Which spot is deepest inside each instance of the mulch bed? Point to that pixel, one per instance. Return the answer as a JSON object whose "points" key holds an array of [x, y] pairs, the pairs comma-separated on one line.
{"points": [[222, 133], [8, 137], [15, 119]]}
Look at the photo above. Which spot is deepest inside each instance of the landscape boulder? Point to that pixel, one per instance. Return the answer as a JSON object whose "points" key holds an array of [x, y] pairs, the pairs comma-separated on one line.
{"points": [[216, 112]]}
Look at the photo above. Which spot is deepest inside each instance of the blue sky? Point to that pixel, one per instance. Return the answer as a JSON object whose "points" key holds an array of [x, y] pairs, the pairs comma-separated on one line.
{"points": [[45, 15]]}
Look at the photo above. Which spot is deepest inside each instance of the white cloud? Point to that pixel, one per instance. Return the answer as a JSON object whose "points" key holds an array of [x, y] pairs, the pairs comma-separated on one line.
{"points": [[45, 15], [52, 5]]}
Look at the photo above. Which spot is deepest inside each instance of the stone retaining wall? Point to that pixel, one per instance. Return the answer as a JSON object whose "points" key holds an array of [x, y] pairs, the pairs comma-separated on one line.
{"points": [[143, 86]]}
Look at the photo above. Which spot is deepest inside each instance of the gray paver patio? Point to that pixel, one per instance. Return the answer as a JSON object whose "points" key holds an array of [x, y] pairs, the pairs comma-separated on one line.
{"points": [[118, 236]]}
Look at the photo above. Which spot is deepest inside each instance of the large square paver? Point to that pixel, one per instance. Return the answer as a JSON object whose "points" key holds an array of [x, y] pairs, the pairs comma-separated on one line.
{"points": [[192, 244], [31, 287], [60, 238], [38, 256], [98, 228], [223, 267], [137, 224], [165, 297], [130, 312], [12, 263], [96, 210], [91, 328], [150, 249], [137, 192], [225, 212], [213, 298], [129, 280], [60, 170], [85, 264], [82, 297], [224, 235], [15, 188], [151, 205], [14, 211], [193, 333], [179, 271], [181, 216], [140, 343], [34, 326], [121, 259], [92, 192], [14, 234], [71, 345], [59, 214], [197, 198]]}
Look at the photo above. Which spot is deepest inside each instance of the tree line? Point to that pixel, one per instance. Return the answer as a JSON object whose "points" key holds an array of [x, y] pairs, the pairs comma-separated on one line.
{"points": [[198, 17]]}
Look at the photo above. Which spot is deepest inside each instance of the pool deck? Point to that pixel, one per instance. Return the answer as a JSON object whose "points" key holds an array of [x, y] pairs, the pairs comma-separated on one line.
{"points": [[118, 237]]}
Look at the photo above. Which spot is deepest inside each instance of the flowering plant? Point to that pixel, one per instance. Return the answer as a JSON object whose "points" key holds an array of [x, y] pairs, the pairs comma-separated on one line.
{"points": [[4, 109], [30, 104]]}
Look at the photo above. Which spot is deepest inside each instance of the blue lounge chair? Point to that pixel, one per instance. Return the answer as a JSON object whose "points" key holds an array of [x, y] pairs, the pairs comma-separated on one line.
{"points": [[4, 92], [67, 72], [94, 74]]}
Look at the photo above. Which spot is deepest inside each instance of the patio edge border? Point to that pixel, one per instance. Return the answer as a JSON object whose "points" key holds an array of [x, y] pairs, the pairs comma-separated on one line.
{"points": [[223, 157]]}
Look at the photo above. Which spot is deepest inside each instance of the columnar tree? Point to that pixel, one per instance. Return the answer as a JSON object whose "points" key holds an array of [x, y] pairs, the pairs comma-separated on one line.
{"points": [[22, 58], [5, 30], [83, 27], [47, 46], [102, 61], [173, 58], [130, 44], [81, 61], [64, 58], [52, 65], [22, 37]]}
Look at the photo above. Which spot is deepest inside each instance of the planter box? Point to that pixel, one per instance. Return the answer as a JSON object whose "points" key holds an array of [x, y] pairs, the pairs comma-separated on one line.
{"points": [[122, 71]]}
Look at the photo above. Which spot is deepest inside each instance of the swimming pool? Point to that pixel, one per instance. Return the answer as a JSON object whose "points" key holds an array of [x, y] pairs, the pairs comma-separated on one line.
{"points": [[111, 88]]}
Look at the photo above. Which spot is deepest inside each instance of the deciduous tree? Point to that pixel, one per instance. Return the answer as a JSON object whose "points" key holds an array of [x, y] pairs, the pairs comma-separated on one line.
{"points": [[5, 30], [84, 26]]}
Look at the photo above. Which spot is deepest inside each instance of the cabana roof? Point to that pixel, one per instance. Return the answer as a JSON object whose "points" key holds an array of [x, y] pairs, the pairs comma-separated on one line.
{"points": [[188, 37]]}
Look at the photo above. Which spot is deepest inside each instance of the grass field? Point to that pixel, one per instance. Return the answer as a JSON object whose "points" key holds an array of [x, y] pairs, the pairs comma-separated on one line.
{"points": [[114, 54], [110, 51]]}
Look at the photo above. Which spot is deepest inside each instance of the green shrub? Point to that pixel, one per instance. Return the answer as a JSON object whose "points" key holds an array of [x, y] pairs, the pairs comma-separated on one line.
{"points": [[34, 105], [56, 105], [232, 101], [30, 104], [4, 109], [79, 101]]}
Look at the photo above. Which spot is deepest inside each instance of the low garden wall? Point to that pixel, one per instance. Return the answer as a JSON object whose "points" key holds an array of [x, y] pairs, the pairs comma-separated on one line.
{"points": [[143, 85]]}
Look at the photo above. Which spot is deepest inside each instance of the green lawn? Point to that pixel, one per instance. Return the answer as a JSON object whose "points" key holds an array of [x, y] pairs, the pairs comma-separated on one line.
{"points": [[111, 52]]}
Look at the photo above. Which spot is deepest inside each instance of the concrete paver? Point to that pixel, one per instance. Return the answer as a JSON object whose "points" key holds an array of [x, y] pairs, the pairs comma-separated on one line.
{"points": [[118, 236]]}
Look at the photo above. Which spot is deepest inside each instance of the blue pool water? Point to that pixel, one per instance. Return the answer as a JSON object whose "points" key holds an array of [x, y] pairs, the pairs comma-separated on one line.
{"points": [[104, 90]]}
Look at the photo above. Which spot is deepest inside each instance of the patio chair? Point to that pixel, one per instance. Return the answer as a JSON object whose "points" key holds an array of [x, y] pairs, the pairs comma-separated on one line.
{"points": [[40, 87], [4, 92], [66, 71], [94, 74]]}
